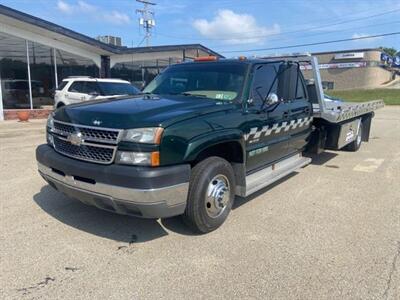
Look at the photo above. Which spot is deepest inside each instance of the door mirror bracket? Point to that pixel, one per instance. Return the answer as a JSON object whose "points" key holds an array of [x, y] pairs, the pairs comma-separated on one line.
{"points": [[271, 99], [250, 101]]}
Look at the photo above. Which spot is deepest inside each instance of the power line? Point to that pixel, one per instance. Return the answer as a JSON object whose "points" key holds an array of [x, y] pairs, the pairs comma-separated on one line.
{"points": [[315, 34], [313, 44], [285, 32]]}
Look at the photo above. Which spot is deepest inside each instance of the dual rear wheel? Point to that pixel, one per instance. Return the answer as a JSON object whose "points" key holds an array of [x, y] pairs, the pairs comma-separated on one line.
{"points": [[356, 144]]}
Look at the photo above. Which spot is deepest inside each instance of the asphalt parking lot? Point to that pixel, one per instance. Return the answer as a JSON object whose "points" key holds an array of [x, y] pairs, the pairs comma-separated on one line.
{"points": [[329, 231]]}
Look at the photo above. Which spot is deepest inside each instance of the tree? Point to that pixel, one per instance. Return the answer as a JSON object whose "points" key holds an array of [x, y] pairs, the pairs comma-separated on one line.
{"points": [[388, 50]]}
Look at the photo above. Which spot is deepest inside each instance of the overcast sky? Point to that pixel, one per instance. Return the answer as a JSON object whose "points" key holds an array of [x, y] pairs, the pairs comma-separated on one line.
{"points": [[228, 25]]}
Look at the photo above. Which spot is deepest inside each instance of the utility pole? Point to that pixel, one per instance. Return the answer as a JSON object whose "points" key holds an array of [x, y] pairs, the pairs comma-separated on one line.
{"points": [[146, 19]]}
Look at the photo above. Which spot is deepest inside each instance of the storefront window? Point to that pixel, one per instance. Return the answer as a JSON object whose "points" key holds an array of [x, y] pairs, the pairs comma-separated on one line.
{"points": [[128, 71], [42, 74], [140, 73], [72, 65], [13, 72]]}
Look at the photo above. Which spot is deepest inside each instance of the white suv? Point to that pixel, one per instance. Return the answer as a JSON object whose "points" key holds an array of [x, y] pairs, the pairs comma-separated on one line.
{"points": [[79, 89]]}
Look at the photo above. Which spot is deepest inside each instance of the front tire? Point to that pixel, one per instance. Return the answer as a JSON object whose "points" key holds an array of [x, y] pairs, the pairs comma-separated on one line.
{"points": [[211, 195]]}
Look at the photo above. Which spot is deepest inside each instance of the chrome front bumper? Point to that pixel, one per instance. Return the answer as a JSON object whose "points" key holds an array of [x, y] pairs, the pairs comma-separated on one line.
{"points": [[148, 203]]}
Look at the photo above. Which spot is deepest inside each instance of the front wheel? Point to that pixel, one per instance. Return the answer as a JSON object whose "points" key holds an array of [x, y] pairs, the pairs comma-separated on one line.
{"points": [[211, 195]]}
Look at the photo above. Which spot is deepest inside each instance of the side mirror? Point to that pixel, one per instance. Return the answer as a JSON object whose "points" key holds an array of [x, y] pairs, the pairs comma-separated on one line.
{"points": [[271, 99], [94, 94]]}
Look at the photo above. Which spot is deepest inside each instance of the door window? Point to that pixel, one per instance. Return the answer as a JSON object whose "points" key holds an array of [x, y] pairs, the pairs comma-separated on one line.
{"points": [[77, 87], [264, 82], [91, 88]]}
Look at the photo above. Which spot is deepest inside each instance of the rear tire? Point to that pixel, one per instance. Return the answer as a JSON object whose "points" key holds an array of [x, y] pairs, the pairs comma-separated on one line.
{"points": [[211, 195], [356, 144]]}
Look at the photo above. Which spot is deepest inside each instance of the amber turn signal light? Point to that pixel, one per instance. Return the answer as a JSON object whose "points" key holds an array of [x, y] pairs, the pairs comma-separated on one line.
{"points": [[155, 159]]}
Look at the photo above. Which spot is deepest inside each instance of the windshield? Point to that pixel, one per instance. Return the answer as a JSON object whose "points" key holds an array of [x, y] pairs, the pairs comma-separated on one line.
{"points": [[117, 88], [222, 82]]}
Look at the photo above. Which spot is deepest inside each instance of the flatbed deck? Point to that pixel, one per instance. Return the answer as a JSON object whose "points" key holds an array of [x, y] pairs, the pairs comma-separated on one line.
{"points": [[335, 113]]}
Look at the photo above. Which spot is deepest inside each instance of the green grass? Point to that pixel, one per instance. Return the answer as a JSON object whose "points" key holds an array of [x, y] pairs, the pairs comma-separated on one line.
{"points": [[389, 96]]}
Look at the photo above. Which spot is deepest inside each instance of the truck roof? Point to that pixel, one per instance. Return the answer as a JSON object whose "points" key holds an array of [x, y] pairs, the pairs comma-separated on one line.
{"points": [[233, 60]]}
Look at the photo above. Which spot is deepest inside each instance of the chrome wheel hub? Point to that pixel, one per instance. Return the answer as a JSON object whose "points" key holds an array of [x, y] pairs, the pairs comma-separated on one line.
{"points": [[218, 195]]}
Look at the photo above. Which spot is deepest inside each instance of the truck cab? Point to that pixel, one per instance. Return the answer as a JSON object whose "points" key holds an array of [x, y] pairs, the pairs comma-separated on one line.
{"points": [[200, 134]]}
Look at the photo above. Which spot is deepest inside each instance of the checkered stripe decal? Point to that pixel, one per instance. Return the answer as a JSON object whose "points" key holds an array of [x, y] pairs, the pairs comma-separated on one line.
{"points": [[276, 128]]}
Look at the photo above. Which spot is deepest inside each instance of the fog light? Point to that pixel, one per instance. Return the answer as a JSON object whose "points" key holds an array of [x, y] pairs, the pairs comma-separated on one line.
{"points": [[50, 139], [138, 158]]}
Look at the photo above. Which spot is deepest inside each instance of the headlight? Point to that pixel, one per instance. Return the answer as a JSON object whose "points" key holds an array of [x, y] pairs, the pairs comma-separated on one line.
{"points": [[138, 158], [151, 135]]}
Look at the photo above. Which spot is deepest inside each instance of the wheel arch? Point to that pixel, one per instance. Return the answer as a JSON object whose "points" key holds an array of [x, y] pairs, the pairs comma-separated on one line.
{"points": [[216, 144], [60, 104], [227, 144]]}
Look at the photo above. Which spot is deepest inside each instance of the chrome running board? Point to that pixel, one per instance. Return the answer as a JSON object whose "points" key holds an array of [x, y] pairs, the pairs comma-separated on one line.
{"points": [[274, 172]]}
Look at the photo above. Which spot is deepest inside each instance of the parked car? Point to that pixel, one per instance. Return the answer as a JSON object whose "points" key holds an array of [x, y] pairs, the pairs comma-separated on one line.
{"points": [[80, 89]]}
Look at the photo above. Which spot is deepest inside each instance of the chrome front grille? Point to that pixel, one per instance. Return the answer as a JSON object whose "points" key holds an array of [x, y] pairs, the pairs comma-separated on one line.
{"points": [[88, 152], [98, 145], [95, 134]]}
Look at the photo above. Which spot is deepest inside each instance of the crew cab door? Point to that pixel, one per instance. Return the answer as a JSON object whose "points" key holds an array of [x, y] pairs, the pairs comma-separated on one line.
{"points": [[300, 110], [265, 134]]}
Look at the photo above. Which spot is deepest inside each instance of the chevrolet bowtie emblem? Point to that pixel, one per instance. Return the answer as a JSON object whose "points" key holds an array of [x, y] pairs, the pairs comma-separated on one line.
{"points": [[75, 139]]}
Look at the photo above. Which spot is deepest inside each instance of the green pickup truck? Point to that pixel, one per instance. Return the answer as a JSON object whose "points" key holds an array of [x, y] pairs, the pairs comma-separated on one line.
{"points": [[199, 134]]}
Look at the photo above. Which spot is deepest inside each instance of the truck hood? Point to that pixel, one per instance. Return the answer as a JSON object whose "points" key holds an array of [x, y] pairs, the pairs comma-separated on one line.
{"points": [[136, 112]]}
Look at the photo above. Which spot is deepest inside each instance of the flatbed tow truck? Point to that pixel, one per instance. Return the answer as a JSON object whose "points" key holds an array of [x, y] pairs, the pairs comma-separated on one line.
{"points": [[201, 133]]}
